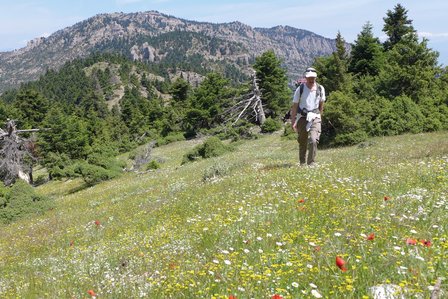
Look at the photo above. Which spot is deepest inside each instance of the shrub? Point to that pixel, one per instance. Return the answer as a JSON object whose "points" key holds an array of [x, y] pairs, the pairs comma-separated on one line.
{"points": [[93, 174], [350, 138], [172, 137], [215, 171], [57, 165], [21, 200], [288, 132], [153, 164], [270, 126], [212, 147]]}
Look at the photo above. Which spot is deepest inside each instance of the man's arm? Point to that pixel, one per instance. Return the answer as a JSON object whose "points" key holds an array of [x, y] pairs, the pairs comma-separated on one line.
{"points": [[294, 109], [321, 107]]}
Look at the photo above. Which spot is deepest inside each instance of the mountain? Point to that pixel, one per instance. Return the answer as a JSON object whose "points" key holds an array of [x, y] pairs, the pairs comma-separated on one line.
{"points": [[156, 38]]}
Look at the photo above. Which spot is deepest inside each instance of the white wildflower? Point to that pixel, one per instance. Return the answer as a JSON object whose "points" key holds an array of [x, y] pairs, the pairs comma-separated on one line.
{"points": [[316, 294]]}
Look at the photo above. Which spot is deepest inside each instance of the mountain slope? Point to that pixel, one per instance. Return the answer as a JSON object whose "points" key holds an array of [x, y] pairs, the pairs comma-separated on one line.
{"points": [[135, 35]]}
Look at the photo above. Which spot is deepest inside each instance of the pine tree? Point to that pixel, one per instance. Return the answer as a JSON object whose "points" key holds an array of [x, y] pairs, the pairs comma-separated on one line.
{"points": [[333, 70], [410, 69], [396, 26], [367, 54], [273, 84], [32, 108]]}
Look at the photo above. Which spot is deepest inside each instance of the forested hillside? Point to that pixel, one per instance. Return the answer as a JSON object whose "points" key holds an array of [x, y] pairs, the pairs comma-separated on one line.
{"points": [[92, 109]]}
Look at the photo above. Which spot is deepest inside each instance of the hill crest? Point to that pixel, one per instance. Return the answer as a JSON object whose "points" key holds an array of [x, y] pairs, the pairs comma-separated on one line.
{"points": [[131, 34]]}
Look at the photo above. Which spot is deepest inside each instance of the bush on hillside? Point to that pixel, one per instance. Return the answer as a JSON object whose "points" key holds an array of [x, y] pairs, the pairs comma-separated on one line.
{"points": [[152, 165], [215, 171], [173, 137], [241, 130], [288, 132], [93, 174], [212, 147], [270, 126], [21, 200], [96, 168]]}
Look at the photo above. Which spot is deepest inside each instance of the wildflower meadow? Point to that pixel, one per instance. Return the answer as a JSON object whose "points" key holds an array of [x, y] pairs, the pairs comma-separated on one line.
{"points": [[252, 223]]}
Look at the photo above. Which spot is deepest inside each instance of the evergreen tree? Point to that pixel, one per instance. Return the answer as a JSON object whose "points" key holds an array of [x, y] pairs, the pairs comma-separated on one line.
{"points": [[396, 26], [32, 108], [67, 135], [212, 95], [135, 111], [273, 84], [410, 69], [333, 70], [180, 90], [367, 54]]}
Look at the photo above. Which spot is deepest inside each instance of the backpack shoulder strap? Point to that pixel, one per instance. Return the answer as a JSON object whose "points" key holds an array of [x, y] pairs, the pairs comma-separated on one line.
{"points": [[300, 90]]}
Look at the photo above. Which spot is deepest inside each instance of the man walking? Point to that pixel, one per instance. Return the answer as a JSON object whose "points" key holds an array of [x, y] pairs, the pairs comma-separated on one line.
{"points": [[306, 114]]}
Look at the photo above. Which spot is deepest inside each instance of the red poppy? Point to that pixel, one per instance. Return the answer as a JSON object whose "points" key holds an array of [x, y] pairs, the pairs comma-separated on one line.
{"points": [[371, 236], [277, 296], [410, 241], [91, 293], [317, 248], [232, 297], [386, 198], [426, 243], [340, 263], [302, 200], [97, 223]]}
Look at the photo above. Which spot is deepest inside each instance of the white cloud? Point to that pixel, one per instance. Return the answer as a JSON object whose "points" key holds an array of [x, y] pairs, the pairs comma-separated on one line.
{"points": [[434, 35]]}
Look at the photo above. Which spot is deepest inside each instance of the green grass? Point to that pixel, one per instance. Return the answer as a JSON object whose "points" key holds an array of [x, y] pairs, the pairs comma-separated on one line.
{"points": [[250, 223]]}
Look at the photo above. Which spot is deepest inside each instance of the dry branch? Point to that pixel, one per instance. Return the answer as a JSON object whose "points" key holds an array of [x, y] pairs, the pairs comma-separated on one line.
{"points": [[250, 107], [16, 158]]}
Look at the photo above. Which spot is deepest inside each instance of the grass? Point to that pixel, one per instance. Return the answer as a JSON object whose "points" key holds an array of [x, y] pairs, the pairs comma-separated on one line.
{"points": [[251, 224]]}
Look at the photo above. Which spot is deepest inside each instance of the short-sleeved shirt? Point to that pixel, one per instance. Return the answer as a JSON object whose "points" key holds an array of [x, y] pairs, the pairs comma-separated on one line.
{"points": [[308, 99]]}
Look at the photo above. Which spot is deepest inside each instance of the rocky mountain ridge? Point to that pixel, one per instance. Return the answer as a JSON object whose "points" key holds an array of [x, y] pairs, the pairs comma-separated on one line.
{"points": [[144, 36]]}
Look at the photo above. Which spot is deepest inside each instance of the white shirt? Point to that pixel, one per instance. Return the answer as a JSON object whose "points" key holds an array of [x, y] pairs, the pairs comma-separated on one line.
{"points": [[308, 99]]}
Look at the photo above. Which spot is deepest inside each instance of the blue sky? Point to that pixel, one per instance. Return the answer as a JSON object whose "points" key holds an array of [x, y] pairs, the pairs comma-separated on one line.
{"points": [[23, 20]]}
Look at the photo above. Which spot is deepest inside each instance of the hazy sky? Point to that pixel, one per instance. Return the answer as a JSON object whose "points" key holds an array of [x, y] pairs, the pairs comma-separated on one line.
{"points": [[23, 20]]}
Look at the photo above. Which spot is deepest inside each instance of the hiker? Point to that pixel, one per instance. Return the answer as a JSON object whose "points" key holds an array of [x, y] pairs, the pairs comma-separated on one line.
{"points": [[306, 114]]}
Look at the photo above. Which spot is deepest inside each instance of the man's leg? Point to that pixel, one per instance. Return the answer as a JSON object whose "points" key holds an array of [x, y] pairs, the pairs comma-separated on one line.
{"points": [[313, 140], [302, 139]]}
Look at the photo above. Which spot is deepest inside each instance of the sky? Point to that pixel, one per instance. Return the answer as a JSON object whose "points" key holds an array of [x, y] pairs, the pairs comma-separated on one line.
{"points": [[24, 20]]}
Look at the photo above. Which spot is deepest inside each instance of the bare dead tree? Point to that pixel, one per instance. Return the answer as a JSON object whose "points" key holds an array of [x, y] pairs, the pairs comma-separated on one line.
{"points": [[250, 107], [143, 157], [16, 154]]}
